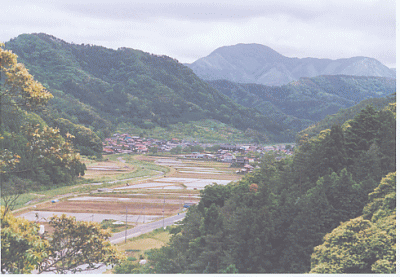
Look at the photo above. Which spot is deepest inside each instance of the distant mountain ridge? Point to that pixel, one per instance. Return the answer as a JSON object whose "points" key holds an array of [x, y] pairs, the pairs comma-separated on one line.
{"points": [[259, 64]]}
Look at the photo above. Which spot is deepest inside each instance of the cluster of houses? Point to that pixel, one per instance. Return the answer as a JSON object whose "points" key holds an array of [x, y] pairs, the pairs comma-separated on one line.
{"points": [[239, 155], [127, 144]]}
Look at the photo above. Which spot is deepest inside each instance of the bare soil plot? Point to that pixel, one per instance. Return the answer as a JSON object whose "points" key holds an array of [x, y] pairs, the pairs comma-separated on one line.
{"points": [[158, 185], [222, 176], [107, 168], [145, 158], [160, 200], [110, 207]]}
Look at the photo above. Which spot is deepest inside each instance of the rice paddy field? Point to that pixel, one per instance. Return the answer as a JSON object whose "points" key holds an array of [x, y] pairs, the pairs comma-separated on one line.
{"points": [[137, 189]]}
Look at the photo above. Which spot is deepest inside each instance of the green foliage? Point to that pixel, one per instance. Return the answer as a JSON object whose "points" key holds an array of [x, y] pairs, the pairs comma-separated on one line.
{"points": [[84, 139], [213, 148], [382, 199], [214, 194], [345, 114], [361, 245], [176, 150], [22, 249], [126, 267], [30, 149], [71, 245], [75, 243], [193, 148]]}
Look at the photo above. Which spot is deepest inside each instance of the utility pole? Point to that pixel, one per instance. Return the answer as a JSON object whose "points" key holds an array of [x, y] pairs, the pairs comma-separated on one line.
{"points": [[163, 213], [126, 221]]}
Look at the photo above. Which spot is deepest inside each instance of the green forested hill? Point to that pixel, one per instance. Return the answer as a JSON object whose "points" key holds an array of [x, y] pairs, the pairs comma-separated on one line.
{"points": [[101, 87], [270, 221], [308, 99], [343, 115]]}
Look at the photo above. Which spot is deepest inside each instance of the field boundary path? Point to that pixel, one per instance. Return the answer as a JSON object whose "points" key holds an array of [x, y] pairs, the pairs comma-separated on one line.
{"points": [[145, 228]]}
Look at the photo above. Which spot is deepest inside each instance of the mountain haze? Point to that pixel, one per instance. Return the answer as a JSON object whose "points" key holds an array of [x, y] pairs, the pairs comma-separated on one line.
{"points": [[259, 64]]}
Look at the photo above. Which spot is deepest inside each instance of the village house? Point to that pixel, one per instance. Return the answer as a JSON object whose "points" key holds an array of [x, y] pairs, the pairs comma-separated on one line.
{"points": [[195, 155], [108, 151]]}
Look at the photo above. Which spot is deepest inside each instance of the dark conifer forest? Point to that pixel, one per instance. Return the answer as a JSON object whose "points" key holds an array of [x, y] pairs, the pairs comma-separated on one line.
{"points": [[272, 220]]}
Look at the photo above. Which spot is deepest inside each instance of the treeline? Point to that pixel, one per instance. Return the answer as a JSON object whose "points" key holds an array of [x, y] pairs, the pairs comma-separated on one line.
{"points": [[270, 221]]}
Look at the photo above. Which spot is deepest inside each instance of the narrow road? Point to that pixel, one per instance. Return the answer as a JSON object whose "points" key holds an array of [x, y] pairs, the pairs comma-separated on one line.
{"points": [[145, 228]]}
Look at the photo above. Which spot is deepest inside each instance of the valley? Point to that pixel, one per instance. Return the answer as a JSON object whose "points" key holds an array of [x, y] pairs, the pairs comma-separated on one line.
{"points": [[152, 195], [130, 142]]}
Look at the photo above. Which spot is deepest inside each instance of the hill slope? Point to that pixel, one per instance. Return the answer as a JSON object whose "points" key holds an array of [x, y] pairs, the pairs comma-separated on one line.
{"points": [[259, 64], [308, 99], [130, 86], [344, 115]]}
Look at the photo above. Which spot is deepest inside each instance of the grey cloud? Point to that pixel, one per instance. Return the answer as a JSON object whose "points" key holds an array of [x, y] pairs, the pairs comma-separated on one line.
{"points": [[187, 30], [203, 11]]}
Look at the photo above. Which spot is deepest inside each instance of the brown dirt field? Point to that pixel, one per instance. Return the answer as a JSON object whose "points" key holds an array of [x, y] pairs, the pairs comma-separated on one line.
{"points": [[145, 158], [158, 200], [108, 168], [111, 207], [153, 195], [205, 176]]}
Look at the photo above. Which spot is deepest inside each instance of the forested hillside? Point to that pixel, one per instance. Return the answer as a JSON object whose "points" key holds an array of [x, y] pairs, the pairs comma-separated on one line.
{"points": [[343, 115], [308, 99], [270, 221], [101, 88]]}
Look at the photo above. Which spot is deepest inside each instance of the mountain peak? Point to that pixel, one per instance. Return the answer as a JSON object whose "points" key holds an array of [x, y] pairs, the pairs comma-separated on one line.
{"points": [[258, 52], [256, 63]]}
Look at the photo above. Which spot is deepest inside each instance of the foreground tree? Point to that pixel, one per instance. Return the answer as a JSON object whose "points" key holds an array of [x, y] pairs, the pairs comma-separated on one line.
{"points": [[18, 88], [32, 151], [22, 249], [53, 154], [73, 246], [78, 246]]}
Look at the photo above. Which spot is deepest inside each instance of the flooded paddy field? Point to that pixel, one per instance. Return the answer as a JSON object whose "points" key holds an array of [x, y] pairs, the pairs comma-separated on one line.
{"points": [[142, 201]]}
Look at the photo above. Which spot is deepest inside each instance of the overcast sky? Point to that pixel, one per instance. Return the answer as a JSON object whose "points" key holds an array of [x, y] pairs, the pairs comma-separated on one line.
{"points": [[189, 30]]}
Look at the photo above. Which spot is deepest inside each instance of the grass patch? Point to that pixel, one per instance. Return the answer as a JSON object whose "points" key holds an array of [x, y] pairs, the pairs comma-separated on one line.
{"points": [[115, 228], [136, 247]]}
